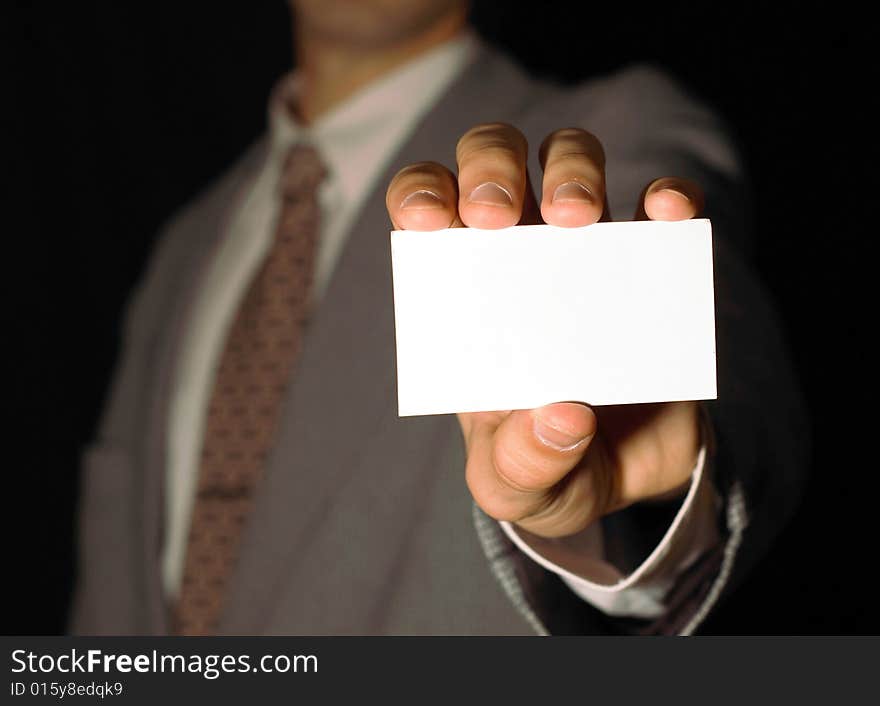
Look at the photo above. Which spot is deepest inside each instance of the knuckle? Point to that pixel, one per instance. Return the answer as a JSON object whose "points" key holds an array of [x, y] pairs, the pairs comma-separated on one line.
{"points": [[491, 129], [494, 504], [575, 135], [518, 471], [572, 141], [664, 182], [573, 163], [419, 170], [685, 186], [495, 158], [426, 166], [419, 175], [488, 136]]}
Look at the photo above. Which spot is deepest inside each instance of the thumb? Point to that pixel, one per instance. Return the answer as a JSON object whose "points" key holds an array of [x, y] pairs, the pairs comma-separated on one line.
{"points": [[520, 468]]}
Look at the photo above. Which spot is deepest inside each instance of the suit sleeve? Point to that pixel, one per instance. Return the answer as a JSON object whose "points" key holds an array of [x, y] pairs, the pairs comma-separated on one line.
{"points": [[759, 445]]}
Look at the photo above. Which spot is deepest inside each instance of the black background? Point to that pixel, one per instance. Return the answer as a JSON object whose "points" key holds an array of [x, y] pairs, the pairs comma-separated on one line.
{"points": [[114, 114]]}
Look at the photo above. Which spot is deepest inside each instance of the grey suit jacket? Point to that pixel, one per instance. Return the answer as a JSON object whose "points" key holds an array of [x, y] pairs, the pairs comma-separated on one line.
{"points": [[363, 523]]}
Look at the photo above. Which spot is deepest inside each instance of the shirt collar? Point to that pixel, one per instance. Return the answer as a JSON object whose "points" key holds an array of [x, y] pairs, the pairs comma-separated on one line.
{"points": [[359, 134]]}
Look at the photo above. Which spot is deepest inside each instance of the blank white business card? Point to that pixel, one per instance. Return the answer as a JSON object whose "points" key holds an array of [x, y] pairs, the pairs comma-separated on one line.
{"points": [[613, 313]]}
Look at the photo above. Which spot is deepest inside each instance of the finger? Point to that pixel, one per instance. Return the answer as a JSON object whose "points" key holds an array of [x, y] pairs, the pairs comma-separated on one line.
{"points": [[670, 199], [422, 196], [517, 468], [574, 178], [655, 447], [491, 176]]}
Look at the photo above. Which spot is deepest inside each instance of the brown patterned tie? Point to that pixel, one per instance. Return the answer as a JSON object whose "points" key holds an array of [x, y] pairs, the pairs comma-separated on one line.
{"points": [[257, 361]]}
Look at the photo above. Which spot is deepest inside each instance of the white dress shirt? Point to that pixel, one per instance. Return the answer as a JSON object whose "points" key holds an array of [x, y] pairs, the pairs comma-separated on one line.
{"points": [[356, 141]]}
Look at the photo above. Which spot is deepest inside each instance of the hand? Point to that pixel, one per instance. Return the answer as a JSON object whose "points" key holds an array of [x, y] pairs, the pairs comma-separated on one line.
{"points": [[554, 470]]}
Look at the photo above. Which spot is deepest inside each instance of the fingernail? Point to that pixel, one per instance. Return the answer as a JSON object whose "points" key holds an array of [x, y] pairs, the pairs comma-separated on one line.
{"points": [[676, 192], [572, 191], [491, 194], [421, 200], [556, 433]]}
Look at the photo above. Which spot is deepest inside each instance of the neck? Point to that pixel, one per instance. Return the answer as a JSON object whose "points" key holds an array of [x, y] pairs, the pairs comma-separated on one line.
{"points": [[330, 72]]}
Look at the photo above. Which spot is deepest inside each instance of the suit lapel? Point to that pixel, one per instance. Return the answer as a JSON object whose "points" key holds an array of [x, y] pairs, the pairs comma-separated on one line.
{"points": [[344, 387]]}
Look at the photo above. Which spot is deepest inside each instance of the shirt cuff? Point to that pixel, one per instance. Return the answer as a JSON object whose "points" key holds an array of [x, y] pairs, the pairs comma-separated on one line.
{"points": [[580, 561]]}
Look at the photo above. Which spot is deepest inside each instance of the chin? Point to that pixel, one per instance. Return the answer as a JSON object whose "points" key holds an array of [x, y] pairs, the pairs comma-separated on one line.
{"points": [[370, 22]]}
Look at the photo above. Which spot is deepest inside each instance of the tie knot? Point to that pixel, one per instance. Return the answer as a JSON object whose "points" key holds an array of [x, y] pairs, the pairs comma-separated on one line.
{"points": [[302, 172]]}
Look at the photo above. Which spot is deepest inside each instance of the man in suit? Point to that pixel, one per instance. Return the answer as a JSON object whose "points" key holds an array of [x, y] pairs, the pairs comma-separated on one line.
{"points": [[250, 474]]}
